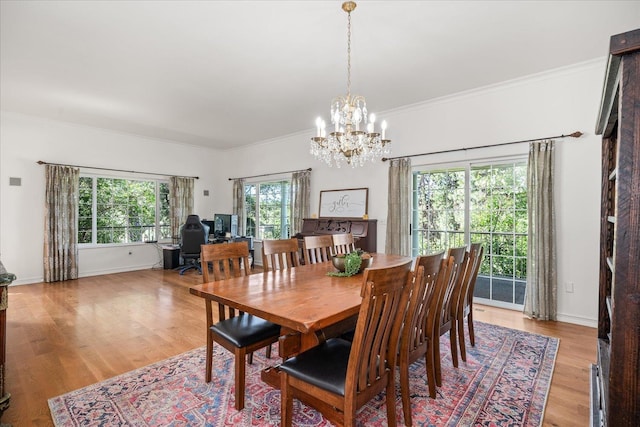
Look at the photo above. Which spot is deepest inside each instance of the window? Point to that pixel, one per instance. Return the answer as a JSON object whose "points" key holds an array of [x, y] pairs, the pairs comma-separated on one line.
{"points": [[267, 210], [477, 203], [118, 210]]}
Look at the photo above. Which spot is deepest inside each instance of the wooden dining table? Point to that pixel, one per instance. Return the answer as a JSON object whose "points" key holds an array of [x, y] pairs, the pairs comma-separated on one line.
{"points": [[309, 305]]}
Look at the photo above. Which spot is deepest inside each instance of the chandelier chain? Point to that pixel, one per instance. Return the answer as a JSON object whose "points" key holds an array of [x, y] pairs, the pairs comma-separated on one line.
{"points": [[349, 56]]}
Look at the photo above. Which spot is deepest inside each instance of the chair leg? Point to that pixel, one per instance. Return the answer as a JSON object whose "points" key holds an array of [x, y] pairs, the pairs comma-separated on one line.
{"points": [[250, 358], [472, 336], [436, 360], [431, 374], [286, 401], [453, 338], [268, 351], [209, 368], [390, 401], [463, 350], [404, 392], [239, 381]]}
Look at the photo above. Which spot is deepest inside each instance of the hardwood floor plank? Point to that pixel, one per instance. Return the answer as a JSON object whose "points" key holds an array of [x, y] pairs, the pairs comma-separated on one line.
{"points": [[64, 336]]}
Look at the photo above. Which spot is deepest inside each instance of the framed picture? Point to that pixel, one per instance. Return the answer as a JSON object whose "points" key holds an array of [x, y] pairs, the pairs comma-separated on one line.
{"points": [[349, 203]]}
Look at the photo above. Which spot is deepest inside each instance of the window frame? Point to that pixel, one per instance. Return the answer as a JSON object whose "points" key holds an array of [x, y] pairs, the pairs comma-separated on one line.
{"points": [[285, 214], [94, 220]]}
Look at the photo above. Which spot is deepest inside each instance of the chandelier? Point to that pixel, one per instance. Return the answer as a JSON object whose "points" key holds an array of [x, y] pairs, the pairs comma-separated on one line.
{"points": [[354, 139]]}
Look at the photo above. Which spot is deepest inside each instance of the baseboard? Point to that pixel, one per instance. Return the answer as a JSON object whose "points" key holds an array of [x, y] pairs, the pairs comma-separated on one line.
{"points": [[577, 320], [27, 281], [117, 270], [32, 280]]}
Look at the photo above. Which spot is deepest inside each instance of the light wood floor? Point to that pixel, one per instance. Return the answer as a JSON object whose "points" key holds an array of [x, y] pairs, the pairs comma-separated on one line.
{"points": [[68, 335]]}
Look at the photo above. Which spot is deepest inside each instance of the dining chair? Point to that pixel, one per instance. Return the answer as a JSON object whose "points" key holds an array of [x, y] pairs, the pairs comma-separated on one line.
{"points": [[337, 377], [465, 302], [449, 299], [240, 333], [317, 248], [343, 243], [416, 339], [280, 254]]}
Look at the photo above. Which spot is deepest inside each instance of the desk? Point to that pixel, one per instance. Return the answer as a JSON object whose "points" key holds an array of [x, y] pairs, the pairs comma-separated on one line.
{"points": [[309, 305]]}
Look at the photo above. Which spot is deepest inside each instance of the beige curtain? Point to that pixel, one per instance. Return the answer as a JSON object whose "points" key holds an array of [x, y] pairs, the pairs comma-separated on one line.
{"points": [[181, 203], [541, 295], [238, 205], [61, 223], [398, 241], [300, 196]]}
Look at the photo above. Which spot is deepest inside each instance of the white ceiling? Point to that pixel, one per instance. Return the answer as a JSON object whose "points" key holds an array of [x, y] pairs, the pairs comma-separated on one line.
{"points": [[227, 73]]}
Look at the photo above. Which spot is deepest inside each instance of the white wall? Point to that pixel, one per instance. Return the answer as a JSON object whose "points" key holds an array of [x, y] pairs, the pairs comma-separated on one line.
{"points": [[548, 104], [543, 105], [24, 140]]}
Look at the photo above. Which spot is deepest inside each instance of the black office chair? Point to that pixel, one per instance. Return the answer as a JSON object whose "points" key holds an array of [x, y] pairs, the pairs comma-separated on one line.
{"points": [[192, 234]]}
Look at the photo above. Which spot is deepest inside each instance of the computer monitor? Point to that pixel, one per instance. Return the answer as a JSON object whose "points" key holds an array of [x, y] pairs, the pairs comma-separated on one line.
{"points": [[211, 225], [225, 223]]}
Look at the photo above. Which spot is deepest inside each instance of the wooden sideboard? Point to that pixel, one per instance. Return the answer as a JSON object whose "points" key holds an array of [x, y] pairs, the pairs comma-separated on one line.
{"points": [[364, 231]]}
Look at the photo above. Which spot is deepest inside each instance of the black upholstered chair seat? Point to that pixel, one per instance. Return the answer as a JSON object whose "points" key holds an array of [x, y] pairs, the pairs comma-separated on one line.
{"points": [[324, 366], [245, 329]]}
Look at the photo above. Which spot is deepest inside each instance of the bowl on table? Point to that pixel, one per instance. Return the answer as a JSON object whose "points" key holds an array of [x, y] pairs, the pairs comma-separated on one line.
{"points": [[339, 261]]}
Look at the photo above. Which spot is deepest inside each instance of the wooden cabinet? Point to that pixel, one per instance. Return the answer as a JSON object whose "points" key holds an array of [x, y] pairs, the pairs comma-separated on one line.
{"points": [[364, 230], [615, 397], [5, 281]]}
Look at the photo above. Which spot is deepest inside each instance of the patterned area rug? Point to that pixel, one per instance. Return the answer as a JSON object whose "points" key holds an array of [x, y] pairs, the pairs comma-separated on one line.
{"points": [[505, 381]]}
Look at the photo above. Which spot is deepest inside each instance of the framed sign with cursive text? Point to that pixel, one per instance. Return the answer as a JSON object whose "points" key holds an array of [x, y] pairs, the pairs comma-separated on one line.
{"points": [[349, 203]]}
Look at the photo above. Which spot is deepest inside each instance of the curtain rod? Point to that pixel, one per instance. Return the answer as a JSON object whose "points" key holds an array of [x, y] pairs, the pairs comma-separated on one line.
{"points": [[576, 134], [40, 162], [269, 174]]}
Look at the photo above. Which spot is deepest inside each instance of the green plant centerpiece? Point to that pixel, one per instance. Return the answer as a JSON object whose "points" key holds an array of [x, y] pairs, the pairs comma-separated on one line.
{"points": [[350, 264]]}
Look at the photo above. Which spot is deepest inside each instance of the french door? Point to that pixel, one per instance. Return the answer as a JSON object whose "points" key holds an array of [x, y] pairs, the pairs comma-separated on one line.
{"points": [[484, 203]]}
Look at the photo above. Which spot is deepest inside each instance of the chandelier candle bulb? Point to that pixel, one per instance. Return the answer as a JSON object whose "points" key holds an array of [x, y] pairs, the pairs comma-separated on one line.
{"points": [[383, 126]]}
